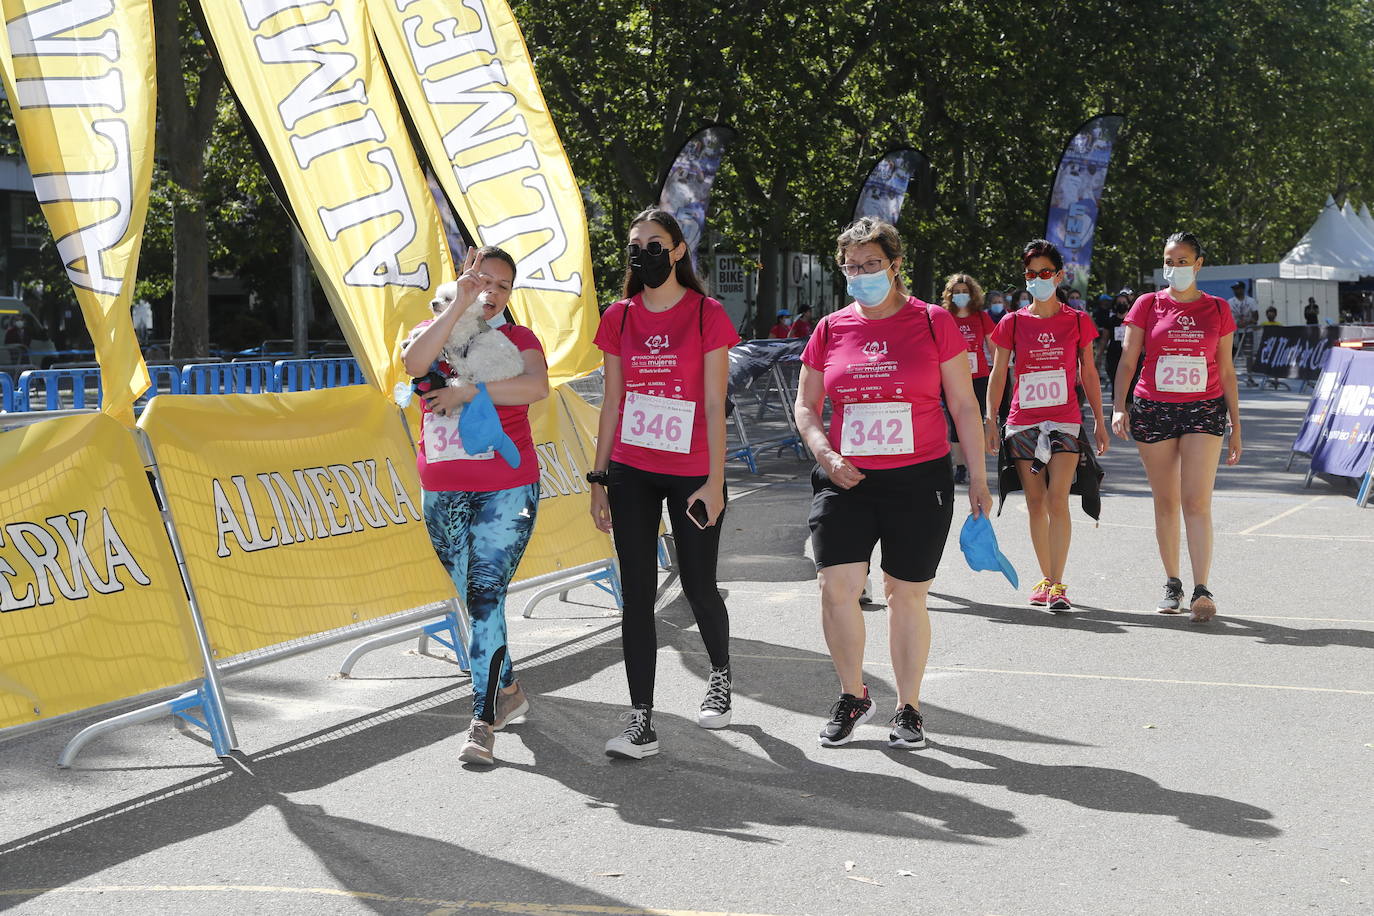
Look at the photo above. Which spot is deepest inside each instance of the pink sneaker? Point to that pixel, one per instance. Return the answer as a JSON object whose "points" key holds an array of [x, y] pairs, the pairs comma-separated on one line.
{"points": [[1059, 597], [1040, 595]]}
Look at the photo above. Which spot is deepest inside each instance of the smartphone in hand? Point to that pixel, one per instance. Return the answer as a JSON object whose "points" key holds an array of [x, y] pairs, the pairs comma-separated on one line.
{"points": [[697, 513]]}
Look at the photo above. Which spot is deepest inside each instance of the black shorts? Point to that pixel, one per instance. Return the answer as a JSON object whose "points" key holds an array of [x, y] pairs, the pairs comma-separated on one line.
{"points": [[1021, 446], [1159, 421], [908, 510], [980, 391]]}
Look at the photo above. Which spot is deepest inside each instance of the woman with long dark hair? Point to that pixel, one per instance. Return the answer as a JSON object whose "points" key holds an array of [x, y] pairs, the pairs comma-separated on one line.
{"points": [[1186, 394], [1053, 346], [662, 439]]}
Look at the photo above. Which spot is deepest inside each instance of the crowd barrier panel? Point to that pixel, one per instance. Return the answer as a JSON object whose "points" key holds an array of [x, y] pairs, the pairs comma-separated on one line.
{"points": [[165, 379], [1337, 433], [311, 374], [42, 389], [96, 613], [6, 393], [763, 376], [247, 377]]}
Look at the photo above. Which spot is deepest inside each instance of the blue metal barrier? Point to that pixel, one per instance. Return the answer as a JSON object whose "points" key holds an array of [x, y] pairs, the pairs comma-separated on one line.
{"points": [[6, 393], [248, 377], [165, 380], [42, 389], [311, 374]]}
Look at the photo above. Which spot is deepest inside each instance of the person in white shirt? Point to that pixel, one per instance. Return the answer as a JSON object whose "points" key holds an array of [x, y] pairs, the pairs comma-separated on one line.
{"points": [[1244, 309]]}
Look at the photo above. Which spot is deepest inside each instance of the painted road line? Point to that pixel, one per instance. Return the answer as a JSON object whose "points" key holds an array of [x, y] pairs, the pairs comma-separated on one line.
{"points": [[443, 906], [1283, 514]]}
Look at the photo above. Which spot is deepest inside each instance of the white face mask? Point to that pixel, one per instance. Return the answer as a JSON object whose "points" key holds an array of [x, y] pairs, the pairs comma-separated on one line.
{"points": [[960, 300], [1180, 278], [1042, 290], [497, 320]]}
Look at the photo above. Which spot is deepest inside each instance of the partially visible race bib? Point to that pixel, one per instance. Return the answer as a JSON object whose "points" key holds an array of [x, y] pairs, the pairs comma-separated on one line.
{"points": [[1181, 374], [973, 361], [1048, 388], [1120, 333], [662, 424], [878, 429], [443, 443]]}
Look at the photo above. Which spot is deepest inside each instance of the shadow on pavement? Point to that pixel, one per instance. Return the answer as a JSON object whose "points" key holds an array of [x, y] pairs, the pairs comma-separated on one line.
{"points": [[1091, 619], [1100, 789]]}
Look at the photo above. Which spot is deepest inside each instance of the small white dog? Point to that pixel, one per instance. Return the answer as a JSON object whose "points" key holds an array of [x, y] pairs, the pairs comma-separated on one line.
{"points": [[475, 351]]}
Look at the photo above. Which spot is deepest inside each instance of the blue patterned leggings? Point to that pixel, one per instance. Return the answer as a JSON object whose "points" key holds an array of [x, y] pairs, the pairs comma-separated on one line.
{"points": [[480, 538]]}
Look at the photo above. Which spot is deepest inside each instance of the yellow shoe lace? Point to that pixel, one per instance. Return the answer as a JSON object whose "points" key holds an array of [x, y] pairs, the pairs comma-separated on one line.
{"points": [[1058, 590]]}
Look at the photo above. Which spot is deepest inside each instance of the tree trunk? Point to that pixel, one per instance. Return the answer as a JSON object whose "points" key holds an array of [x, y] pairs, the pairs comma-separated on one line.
{"points": [[190, 279], [766, 308]]}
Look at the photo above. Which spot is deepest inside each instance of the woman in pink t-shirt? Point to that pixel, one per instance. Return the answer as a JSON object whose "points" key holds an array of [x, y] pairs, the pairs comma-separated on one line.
{"points": [[479, 509], [1053, 347], [662, 439], [1186, 394], [882, 471], [963, 298]]}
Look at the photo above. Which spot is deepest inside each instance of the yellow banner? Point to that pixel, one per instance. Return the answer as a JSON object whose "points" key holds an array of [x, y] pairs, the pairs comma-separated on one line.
{"points": [[91, 604], [298, 513], [313, 85], [564, 535], [80, 79], [467, 81]]}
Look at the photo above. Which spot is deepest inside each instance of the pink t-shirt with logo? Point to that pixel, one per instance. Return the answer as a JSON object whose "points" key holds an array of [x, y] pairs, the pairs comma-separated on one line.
{"points": [[663, 354], [1046, 354], [889, 360], [975, 328], [484, 475], [1184, 335]]}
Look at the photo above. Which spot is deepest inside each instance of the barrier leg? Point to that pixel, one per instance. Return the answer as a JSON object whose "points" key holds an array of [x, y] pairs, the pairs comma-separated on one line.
{"points": [[603, 576], [1362, 498], [452, 626], [211, 721]]}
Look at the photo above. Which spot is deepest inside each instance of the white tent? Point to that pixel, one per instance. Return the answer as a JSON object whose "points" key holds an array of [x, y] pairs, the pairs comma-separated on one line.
{"points": [[1329, 251], [1366, 218], [1358, 227]]}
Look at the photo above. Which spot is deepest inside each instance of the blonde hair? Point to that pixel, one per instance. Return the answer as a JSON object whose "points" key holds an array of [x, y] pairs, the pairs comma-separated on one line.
{"points": [[975, 292], [870, 229]]}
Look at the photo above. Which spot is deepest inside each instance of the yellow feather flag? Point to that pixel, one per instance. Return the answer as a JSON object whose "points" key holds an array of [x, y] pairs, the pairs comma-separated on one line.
{"points": [[312, 83], [80, 79], [469, 86]]}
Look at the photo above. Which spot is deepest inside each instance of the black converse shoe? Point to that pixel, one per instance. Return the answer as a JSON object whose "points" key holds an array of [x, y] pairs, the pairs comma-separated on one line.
{"points": [[849, 711], [908, 729], [1173, 596], [638, 740], [715, 709]]}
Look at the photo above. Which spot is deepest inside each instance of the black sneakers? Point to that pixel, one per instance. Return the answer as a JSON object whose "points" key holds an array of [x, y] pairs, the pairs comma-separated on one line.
{"points": [[1173, 596], [638, 740], [1203, 605], [908, 729], [715, 709], [849, 711]]}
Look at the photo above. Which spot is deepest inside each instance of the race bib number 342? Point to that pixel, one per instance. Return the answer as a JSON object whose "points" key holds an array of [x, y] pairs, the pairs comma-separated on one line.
{"points": [[663, 424], [877, 429]]}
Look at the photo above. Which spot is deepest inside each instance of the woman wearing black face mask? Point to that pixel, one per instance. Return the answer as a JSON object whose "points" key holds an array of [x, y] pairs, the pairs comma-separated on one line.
{"points": [[662, 437]]}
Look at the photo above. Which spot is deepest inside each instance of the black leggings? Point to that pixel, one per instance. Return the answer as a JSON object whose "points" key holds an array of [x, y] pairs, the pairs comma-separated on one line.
{"points": [[636, 498]]}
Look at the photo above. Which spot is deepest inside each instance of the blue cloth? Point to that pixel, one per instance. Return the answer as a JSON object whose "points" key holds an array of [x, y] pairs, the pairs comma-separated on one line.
{"points": [[480, 538], [979, 544], [480, 427]]}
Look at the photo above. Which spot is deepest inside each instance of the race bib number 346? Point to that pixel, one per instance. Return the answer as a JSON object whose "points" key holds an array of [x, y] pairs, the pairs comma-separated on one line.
{"points": [[663, 424], [443, 443], [877, 429]]}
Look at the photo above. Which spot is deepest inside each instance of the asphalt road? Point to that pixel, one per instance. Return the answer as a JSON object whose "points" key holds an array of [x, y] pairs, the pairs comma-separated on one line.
{"points": [[1108, 761]]}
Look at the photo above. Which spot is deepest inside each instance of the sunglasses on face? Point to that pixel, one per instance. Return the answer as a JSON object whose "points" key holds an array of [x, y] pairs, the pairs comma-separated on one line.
{"points": [[1045, 274], [654, 249]]}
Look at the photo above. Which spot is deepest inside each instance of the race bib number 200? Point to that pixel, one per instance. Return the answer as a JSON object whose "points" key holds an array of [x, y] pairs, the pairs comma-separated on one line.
{"points": [[663, 424], [1049, 388], [878, 429]]}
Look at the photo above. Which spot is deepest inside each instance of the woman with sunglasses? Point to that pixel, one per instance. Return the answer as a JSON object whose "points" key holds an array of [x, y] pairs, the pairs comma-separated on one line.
{"points": [[1053, 346], [662, 438], [963, 298], [1185, 396], [882, 469]]}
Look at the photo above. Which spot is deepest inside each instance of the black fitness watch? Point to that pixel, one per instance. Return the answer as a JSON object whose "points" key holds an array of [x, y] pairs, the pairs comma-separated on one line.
{"points": [[601, 477]]}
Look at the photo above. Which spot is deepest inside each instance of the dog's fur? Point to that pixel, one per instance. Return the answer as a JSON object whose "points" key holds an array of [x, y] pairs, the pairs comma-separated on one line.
{"points": [[475, 351]]}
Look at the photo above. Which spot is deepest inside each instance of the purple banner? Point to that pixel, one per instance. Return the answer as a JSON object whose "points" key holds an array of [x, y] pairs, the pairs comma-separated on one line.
{"points": [[884, 191], [1318, 409], [686, 189], [1077, 192], [1347, 438]]}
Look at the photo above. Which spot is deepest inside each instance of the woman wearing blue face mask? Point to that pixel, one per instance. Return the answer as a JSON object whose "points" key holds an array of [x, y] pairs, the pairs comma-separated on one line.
{"points": [[963, 298], [1183, 401]]}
